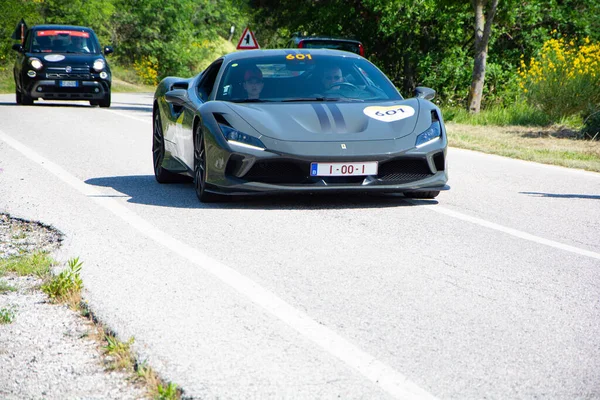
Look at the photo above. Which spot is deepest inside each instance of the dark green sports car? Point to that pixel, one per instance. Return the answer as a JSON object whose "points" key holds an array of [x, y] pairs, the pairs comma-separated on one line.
{"points": [[297, 120]]}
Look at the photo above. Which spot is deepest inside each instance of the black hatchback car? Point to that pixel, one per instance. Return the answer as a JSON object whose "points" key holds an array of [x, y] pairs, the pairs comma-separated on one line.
{"points": [[62, 62], [323, 42]]}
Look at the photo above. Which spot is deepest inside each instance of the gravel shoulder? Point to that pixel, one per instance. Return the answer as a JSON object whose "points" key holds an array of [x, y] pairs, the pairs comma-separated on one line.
{"points": [[49, 351]]}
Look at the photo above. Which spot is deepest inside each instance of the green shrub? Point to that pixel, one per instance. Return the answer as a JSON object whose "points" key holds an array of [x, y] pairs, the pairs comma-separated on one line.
{"points": [[67, 284], [591, 126], [564, 78]]}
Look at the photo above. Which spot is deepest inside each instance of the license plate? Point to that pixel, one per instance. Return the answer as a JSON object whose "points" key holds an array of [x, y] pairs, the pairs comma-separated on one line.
{"points": [[343, 169], [68, 83]]}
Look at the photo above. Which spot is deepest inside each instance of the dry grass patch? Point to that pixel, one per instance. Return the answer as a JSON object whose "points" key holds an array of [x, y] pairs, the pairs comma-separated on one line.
{"points": [[548, 145]]}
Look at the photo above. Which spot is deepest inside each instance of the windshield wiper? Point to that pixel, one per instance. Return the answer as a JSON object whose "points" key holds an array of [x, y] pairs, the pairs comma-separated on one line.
{"points": [[250, 101], [312, 99], [349, 99]]}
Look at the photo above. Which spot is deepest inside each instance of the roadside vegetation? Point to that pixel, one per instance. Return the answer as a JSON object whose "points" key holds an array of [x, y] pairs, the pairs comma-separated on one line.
{"points": [[65, 288]]}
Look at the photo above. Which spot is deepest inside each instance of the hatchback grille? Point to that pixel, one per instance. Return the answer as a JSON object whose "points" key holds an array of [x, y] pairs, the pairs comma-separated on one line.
{"points": [[61, 73]]}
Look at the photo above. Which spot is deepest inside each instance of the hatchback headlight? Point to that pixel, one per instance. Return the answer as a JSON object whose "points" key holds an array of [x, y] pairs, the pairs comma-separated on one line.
{"points": [[36, 63], [434, 132], [98, 64], [241, 139]]}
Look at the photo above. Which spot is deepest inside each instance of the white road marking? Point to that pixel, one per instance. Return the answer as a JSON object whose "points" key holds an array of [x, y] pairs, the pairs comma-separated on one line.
{"points": [[388, 379], [147, 121], [511, 231]]}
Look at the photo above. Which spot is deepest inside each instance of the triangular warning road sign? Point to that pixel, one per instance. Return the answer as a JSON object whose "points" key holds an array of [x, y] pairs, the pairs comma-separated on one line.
{"points": [[247, 41]]}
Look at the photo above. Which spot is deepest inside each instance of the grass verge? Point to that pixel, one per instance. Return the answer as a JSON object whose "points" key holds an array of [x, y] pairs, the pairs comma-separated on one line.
{"points": [[553, 145], [65, 288], [38, 264]]}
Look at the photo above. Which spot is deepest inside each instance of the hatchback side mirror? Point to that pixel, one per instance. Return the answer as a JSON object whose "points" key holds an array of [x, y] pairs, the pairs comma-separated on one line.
{"points": [[17, 47], [108, 50]]}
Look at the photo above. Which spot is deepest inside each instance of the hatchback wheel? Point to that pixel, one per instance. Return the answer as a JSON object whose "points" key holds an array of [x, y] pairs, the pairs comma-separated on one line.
{"points": [[105, 102]]}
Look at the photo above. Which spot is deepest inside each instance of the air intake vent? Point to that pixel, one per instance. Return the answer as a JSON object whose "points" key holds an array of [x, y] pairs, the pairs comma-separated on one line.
{"points": [[221, 119], [434, 116], [438, 160]]}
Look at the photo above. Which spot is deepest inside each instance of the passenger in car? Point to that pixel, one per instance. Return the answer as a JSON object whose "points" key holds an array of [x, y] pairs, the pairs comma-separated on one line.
{"points": [[78, 45], [253, 82]]}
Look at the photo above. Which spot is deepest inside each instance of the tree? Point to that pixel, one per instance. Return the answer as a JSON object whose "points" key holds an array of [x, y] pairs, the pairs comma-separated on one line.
{"points": [[484, 18]]}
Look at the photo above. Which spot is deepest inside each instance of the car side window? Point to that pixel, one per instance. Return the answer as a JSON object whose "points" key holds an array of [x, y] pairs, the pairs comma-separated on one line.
{"points": [[207, 83]]}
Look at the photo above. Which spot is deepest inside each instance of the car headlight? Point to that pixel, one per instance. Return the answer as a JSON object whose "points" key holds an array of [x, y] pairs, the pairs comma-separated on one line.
{"points": [[98, 64], [241, 139], [434, 132], [36, 63]]}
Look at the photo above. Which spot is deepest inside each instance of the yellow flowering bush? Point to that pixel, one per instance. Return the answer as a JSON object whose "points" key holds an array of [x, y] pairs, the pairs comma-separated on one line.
{"points": [[564, 78], [147, 70]]}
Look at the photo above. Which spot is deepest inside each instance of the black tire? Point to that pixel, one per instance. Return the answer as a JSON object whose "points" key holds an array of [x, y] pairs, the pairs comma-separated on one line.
{"points": [[105, 102], [158, 154], [94, 102], [18, 96], [26, 100], [422, 195], [200, 169]]}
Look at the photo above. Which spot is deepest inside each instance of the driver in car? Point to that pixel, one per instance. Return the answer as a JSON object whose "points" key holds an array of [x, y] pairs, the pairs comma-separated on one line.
{"points": [[332, 76]]}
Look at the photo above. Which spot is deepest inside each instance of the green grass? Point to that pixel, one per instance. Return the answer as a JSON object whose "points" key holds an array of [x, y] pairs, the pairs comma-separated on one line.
{"points": [[517, 114], [66, 286], [7, 315], [125, 80], [553, 145], [38, 264], [120, 353], [7, 83], [5, 287]]}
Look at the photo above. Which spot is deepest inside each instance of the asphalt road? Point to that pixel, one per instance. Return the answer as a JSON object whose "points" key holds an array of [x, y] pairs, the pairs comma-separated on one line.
{"points": [[491, 291]]}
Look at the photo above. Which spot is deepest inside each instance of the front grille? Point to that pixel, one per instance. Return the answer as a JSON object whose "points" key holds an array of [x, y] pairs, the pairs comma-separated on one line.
{"points": [[278, 171], [396, 171], [61, 73], [67, 76], [404, 170]]}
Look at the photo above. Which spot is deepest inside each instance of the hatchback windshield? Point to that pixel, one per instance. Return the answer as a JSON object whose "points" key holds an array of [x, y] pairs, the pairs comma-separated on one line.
{"points": [[62, 41], [304, 77]]}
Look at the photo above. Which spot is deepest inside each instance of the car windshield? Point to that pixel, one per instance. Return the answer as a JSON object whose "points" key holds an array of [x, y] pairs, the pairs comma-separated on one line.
{"points": [[302, 76], [62, 41]]}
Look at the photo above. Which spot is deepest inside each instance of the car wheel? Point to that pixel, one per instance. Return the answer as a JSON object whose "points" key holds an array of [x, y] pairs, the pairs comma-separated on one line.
{"points": [[18, 96], [200, 169], [105, 102], [26, 100], [158, 154], [422, 195], [94, 102]]}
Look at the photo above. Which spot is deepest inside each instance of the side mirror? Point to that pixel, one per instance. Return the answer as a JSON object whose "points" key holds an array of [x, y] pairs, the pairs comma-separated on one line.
{"points": [[424, 93], [177, 96], [108, 50], [17, 47]]}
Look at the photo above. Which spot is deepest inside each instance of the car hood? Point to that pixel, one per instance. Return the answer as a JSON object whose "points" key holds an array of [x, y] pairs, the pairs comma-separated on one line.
{"points": [[330, 121], [65, 59]]}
